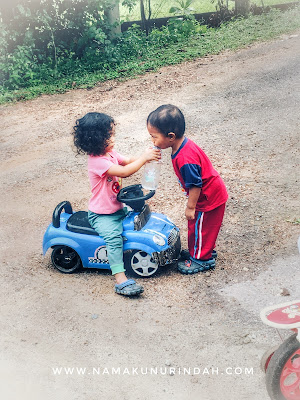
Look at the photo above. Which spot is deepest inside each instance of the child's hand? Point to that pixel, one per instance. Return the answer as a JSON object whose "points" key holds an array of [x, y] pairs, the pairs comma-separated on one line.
{"points": [[152, 154], [190, 213]]}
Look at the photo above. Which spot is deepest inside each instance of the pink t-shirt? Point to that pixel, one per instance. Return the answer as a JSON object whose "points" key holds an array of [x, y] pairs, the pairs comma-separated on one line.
{"points": [[105, 188]]}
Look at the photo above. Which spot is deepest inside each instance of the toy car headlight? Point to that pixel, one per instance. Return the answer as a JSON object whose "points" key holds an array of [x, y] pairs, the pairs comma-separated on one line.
{"points": [[160, 241]]}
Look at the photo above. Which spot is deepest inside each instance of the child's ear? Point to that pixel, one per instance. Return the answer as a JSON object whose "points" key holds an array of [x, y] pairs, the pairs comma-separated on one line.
{"points": [[172, 136]]}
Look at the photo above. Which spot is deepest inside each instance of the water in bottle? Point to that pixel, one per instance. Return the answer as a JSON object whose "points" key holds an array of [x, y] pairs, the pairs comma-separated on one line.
{"points": [[151, 174]]}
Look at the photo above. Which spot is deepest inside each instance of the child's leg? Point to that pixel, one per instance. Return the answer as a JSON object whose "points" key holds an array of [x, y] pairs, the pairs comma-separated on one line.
{"points": [[110, 228], [203, 232]]}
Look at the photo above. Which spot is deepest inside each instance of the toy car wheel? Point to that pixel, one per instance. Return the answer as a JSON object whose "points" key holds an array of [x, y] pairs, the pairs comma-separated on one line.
{"points": [[65, 259], [283, 372], [268, 354], [140, 263]]}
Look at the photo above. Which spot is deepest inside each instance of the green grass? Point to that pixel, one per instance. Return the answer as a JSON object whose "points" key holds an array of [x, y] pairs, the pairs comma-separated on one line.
{"points": [[232, 35], [160, 8]]}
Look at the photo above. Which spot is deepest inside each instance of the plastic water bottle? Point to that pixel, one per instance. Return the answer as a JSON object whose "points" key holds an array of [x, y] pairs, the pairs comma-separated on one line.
{"points": [[151, 174]]}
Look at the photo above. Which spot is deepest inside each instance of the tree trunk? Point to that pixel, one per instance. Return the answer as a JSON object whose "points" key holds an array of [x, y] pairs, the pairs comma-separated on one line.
{"points": [[242, 7], [143, 17], [113, 17]]}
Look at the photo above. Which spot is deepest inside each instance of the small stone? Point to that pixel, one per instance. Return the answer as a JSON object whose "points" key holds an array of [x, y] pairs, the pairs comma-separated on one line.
{"points": [[284, 292], [245, 269], [94, 316], [168, 363]]}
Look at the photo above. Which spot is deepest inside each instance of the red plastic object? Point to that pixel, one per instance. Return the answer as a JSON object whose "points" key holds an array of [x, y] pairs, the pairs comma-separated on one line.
{"points": [[290, 377], [285, 315]]}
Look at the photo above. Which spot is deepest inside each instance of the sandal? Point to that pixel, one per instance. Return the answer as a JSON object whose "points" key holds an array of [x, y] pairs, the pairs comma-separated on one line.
{"points": [[185, 254], [192, 266], [129, 288]]}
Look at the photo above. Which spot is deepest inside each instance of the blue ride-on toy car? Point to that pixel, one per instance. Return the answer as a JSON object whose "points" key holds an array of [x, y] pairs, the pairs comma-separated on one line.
{"points": [[151, 240]]}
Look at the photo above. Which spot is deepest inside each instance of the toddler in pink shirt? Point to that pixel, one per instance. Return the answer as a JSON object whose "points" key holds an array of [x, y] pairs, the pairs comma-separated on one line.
{"points": [[94, 135]]}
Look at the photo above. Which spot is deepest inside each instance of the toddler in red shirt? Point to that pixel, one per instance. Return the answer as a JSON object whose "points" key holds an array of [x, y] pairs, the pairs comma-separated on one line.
{"points": [[201, 183]]}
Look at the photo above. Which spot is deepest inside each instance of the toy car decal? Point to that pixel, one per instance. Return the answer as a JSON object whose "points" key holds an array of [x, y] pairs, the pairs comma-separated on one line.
{"points": [[100, 256]]}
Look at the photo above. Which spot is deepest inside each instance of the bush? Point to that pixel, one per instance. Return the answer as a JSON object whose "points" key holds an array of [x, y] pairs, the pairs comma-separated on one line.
{"points": [[49, 33], [55, 43], [53, 53]]}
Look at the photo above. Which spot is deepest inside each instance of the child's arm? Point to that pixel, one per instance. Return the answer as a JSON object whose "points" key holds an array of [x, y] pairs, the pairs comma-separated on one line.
{"points": [[123, 171], [128, 160], [194, 193]]}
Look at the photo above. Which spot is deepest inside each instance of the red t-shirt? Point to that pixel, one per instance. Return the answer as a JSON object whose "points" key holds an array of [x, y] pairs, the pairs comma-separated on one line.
{"points": [[193, 168]]}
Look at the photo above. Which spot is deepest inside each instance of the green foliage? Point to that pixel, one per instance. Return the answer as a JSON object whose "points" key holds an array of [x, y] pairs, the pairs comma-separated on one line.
{"points": [[48, 34], [183, 7], [185, 25], [160, 8], [55, 55], [129, 4], [295, 221]]}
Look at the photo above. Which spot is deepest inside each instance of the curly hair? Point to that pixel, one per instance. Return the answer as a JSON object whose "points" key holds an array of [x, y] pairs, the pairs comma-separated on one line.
{"points": [[92, 133]]}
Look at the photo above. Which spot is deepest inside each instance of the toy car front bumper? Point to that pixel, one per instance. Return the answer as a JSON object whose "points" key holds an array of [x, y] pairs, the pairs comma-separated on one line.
{"points": [[169, 255]]}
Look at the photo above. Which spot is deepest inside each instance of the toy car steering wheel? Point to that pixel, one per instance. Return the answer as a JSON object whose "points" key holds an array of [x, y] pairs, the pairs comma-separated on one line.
{"points": [[134, 197]]}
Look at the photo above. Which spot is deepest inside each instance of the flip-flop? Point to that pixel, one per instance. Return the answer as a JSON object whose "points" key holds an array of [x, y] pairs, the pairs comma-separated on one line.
{"points": [[193, 266], [129, 288], [185, 254]]}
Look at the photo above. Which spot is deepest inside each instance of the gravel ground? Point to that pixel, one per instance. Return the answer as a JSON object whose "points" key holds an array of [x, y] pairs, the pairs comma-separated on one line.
{"points": [[242, 108]]}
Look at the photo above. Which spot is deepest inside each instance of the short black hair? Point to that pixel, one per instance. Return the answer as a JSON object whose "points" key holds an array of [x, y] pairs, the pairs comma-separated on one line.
{"points": [[92, 133], [167, 118]]}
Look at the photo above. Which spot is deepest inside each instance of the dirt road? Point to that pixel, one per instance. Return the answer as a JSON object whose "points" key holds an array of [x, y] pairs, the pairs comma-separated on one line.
{"points": [[242, 108]]}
